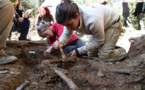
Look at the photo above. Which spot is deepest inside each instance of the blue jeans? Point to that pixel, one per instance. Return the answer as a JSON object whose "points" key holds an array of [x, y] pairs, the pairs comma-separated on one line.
{"points": [[24, 25], [73, 45]]}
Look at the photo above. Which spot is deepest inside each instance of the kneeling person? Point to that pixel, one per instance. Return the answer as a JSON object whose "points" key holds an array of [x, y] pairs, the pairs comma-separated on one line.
{"points": [[50, 32]]}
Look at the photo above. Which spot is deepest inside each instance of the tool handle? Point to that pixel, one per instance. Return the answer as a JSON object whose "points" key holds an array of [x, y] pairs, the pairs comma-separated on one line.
{"points": [[61, 50]]}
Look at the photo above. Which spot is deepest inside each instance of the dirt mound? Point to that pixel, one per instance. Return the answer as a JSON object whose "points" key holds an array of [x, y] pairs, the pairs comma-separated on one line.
{"points": [[72, 73]]}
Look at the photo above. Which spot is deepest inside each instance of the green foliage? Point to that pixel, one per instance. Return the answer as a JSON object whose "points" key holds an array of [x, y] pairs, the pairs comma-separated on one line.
{"points": [[13, 1], [35, 4], [132, 7], [32, 4], [132, 18], [84, 1]]}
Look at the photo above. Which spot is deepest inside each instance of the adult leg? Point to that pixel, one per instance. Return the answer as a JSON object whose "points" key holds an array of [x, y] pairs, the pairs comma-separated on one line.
{"points": [[94, 52], [68, 49], [73, 45], [108, 51], [25, 28], [125, 19], [6, 18], [139, 17], [12, 30], [125, 16]]}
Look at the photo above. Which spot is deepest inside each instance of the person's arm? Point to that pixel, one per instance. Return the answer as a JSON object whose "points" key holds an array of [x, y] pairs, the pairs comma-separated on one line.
{"points": [[37, 22], [96, 38], [58, 30], [51, 18], [47, 52], [51, 41], [66, 35], [64, 38]]}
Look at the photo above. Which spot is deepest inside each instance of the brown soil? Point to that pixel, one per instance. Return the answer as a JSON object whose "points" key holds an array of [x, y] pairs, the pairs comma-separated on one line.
{"points": [[73, 73], [86, 74]]}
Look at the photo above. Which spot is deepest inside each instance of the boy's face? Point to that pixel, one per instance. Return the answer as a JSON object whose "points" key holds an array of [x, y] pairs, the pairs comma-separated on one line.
{"points": [[47, 33], [73, 23]]}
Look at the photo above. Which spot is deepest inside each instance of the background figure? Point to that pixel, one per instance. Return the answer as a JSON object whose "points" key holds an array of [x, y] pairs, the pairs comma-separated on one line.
{"points": [[6, 17], [21, 23], [44, 16], [125, 13], [139, 11], [104, 2]]}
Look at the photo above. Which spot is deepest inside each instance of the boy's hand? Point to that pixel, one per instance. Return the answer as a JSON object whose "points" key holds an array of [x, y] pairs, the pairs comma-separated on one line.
{"points": [[73, 53]]}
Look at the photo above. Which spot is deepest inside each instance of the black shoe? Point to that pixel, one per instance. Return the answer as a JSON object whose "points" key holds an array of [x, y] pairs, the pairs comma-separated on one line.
{"points": [[7, 59], [24, 39]]}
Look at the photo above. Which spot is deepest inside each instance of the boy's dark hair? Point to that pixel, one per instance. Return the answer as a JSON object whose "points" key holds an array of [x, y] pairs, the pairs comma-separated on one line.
{"points": [[66, 10]]}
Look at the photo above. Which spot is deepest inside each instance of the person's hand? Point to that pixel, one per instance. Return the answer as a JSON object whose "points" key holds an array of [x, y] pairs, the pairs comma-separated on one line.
{"points": [[17, 2], [141, 13], [73, 53], [56, 46], [25, 15], [47, 52], [20, 19]]}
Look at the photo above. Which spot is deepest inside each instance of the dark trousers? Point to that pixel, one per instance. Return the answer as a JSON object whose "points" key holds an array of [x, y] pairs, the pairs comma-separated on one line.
{"points": [[23, 26], [125, 16], [139, 18], [73, 45]]}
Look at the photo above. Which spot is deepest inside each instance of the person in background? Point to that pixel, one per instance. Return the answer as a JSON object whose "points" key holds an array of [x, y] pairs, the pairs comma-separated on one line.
{"points": [[143, 8], [139, 13], [50, 32], [44, 16], [21, 23], [100, 22], [125, 13], [104, 2], [6, 17]]}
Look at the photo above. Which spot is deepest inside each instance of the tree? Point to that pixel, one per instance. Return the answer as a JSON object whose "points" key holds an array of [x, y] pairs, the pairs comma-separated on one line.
{"points": [[13, 1]]}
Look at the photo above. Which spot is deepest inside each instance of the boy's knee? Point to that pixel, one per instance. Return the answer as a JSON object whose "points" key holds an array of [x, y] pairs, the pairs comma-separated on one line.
{"points": [[93, 53], [112, 54], [28, 22]]}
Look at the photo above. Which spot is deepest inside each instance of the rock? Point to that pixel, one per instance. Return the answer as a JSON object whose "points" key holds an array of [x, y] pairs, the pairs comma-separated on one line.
{"points": [[100, 74]]}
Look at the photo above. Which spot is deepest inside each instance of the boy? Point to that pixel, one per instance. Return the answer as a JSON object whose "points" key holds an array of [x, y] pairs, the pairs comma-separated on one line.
{"points": [[100, 22]]}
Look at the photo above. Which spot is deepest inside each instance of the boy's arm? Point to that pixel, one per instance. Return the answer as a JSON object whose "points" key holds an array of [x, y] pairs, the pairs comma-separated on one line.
{"points": [[66, 35]]}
